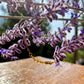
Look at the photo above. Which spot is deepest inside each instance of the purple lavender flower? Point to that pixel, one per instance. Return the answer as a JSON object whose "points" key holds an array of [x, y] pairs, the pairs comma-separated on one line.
{"points": [[28, 5], [30, 12], [47, 8], [62, 56], [11, 52], [62, 12], [57, 64], [57, 48], [68, 51], [6, 53], [23, 31], [58, 55], [54, 16], [38, 33], [67, 28], [73, 21], [77, 5], [82, 31], [49, 18], [17, 50], [20, 42], [63, 44], [14, 58], [13, 46], [10, 34], [63, 49], [58, 38], [73, 38], [2, 42], [38, 14], [7, 39]]}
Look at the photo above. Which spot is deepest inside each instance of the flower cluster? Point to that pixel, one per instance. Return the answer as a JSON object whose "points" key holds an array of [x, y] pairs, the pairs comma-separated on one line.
{"points": [[31, 27], [69, 46], [6, 53]]}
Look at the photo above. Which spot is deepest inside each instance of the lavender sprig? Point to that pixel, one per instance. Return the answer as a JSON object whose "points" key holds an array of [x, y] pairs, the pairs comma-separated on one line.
{"points": [[32, 28]]}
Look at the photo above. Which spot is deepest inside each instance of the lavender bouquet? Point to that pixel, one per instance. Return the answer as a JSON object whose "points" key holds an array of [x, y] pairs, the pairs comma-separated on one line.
{"points": [[30, 26]]}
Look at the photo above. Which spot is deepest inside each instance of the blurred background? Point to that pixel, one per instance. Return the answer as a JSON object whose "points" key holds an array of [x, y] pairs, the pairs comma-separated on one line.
{"points": [[47, 50]]}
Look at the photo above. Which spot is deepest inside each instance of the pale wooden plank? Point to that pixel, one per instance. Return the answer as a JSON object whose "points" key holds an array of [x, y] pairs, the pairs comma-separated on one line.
{"points": [[28, 72]]}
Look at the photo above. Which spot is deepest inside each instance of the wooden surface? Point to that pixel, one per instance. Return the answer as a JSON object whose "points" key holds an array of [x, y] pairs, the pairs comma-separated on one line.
{"points": [[28, 72]]}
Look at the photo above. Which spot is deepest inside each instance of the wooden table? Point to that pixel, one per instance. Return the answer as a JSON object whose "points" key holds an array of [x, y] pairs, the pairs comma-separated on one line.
{"points": [[28, 72]]}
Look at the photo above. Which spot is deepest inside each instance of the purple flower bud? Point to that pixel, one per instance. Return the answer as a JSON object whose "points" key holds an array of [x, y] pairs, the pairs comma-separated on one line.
{"points": [[25, 22], [63, 44], [11, 52], [2, 42], [58, 38], [57, 4], [8, 55], [52, 44], [43, 43], [17, 33], [27, 41], [38, 33], [17, 50], [62, 56], [81, 44], [10, 36], [38, 14], [13, 46], [30, 12], [55, 53], [63, 49], [68, 42], [7, 39], [72, 42], [59, 30], [57, 64], [82, 31], [68, 51], [67, 28], [20, 41], [77, 45], [14, 58], [4, 51], [28, 5], [7, 31], [76, 5], [22, 46], [72, 49], [61, 12], [3, 36], [54, 16], [46, 7], [73, 22], [57, 48], [4, 56], [49, 18], [23, 31], [56, 59]]}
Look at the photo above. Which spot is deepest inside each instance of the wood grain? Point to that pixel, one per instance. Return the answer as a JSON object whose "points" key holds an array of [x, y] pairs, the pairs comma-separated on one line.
{"points": [[28, 72]]}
